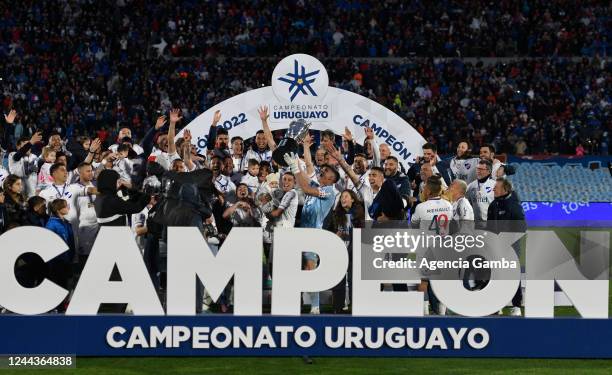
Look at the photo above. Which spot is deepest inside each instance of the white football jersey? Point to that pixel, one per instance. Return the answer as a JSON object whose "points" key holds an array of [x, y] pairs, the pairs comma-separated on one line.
{"points": [[480, 196], [67, 192], [462, 209], [436, 211], [464, 169]]}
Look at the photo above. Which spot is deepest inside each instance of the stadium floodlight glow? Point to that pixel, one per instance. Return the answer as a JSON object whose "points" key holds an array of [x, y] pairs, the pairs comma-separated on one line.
{"points": [[190, 259]]}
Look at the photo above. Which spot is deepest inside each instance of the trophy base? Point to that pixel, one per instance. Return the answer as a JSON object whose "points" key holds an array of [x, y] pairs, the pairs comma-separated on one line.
{"points": [[286, 145]]}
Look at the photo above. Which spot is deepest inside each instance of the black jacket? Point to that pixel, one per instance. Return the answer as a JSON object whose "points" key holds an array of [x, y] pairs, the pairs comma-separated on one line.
{"points": [[402, 183], [505, 214], [16, 215], [387, 201], [188, 212], [111, 210]]}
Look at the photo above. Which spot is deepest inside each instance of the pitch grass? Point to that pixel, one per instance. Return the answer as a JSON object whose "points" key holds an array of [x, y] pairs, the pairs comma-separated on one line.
{"points": [[336, 366]]}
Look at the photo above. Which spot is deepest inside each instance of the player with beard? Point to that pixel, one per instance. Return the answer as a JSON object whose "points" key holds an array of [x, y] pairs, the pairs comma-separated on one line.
{"points": [[430, 156], [264, 144], [498, 169], [480, 192], [463, 164], [393, 173], [360, 167], [218, 139], [222, 183]]}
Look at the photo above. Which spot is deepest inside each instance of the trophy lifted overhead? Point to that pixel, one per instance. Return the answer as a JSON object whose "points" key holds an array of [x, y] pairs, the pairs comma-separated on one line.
{"points": [[294, 135]]}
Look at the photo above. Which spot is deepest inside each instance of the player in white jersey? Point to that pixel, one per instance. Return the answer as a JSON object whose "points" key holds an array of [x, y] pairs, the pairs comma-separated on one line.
{"points": [[287, 209], [23, 163], [498, 169], [434, 210], [480, 192], [86, 213], [434, 214], [360, 167], [462, 164], [60, 189], [462, 209]]}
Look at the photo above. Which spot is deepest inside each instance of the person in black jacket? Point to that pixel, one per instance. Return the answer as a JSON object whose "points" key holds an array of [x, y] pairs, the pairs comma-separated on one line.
{"points": [[393, 172], [190, 212], [505, 214], [14, 202], [388, 204], [111, 209]]}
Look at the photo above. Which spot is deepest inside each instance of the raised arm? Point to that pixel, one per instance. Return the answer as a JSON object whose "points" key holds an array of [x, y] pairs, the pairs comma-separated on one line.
{"points": [[186, 154], [375, 151], [350, 152], [263, 116], [212, 132], [174, 118], [292, 161], [335, 153], [308, 156], [36, 138], [93, 149]]}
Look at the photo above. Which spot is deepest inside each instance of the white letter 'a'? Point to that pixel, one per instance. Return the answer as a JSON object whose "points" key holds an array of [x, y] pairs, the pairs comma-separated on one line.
{"points": [[115, 245]]}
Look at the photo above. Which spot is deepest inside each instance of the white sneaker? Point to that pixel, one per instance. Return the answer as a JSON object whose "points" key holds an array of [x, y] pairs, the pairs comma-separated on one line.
{"points": [[315, 311], [516, 311], [441, 309], [426, 308]]}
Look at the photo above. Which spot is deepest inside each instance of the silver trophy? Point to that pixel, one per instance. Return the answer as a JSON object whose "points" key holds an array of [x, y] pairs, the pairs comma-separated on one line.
{"points": [[294, 135]]}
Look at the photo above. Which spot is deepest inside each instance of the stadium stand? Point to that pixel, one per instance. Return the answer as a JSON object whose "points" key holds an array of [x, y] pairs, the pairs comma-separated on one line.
{"points": [[550, 182]]}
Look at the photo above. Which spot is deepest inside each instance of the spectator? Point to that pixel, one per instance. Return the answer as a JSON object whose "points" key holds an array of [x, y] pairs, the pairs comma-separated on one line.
{"points": [[60, 271], [14, 202]]}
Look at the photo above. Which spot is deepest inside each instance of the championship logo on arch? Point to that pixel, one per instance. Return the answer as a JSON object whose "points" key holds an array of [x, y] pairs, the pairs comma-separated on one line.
{"points": [[300, 79]]}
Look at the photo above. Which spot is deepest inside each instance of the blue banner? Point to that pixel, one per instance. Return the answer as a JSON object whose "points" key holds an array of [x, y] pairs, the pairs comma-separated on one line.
{"points": [[227, 335], [567, 211]]}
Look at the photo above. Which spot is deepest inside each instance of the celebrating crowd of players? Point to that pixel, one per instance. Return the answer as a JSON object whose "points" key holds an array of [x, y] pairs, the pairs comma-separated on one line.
{"points": [[74, 186]]}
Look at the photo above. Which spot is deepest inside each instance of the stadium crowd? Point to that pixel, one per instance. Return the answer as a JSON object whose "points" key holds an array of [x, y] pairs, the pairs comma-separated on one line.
{"points": [[74, 186], [81, 67]]}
